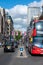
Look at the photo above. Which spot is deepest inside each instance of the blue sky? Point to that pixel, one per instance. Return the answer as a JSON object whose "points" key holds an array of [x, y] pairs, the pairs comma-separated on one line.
{"points": [[10, 3]]}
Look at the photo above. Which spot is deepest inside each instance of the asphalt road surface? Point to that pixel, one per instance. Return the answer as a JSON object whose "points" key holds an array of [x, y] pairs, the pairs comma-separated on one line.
{"points": [[10, 58]]}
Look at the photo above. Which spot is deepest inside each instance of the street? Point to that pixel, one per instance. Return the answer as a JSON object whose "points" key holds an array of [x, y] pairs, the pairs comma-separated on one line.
{"points": [[10, 58], [21, 32]]}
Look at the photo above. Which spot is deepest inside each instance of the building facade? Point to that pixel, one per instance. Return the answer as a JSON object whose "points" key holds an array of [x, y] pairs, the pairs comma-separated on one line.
{"points": [[32, 12], [6, 24], [9, 25], [2, 23]]}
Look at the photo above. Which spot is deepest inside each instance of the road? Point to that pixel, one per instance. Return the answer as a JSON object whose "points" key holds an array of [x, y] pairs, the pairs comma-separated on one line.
{"points": [[10, 58]]}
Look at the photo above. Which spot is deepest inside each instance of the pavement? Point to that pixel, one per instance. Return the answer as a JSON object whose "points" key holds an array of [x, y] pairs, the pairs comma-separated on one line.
{"points": [[14, 58]]}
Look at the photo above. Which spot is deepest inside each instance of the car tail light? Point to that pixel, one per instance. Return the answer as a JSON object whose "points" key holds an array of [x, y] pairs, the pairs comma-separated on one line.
{"points": [[34, 32]]}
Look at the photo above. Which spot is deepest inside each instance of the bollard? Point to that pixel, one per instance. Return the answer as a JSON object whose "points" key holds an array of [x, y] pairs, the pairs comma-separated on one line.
{"points": [[21, 54]]}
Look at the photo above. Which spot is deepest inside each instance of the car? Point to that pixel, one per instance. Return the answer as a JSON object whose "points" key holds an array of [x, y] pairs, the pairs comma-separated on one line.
{"points": [[15, 44], [9, 46]]}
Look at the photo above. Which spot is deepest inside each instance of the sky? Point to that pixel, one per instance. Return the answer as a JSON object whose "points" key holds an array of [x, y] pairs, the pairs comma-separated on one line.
{"points": [[18, 10], [10, 3]]}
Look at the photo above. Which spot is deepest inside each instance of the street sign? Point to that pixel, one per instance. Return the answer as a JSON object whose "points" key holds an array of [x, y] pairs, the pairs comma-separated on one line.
{"points": [[21, 49]]}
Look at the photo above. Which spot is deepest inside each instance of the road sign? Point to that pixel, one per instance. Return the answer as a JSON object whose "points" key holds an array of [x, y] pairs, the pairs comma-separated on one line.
{"points": [[21, 49]]}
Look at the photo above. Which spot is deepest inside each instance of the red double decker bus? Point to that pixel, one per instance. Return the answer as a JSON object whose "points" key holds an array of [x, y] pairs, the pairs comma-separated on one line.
{"points": [[36, 37]]}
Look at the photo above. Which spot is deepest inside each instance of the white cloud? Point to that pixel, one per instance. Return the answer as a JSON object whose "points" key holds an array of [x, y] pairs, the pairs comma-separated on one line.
{"points": [[17, 19], [35, 3], [18, 9], [6, 10], [25, 21], [17, 26], [20, 20], [19, 14], [22, 30]]}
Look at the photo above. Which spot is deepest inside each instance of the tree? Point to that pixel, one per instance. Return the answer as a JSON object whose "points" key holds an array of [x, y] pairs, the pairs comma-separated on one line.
{"points": [[19, 36]]}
